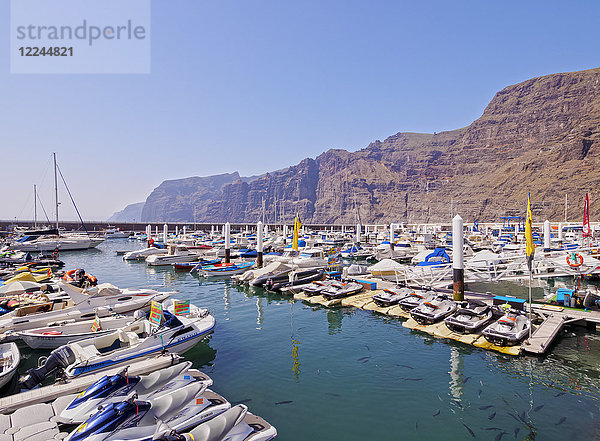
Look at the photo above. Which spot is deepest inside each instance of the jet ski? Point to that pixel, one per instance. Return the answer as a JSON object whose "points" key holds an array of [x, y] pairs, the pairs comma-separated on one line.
{"points": [[415, 298], [115, 388], [392, 296], [509, 330], [432, 311], [235, 424], [338, 290], [317, 287], [135, 420], [470, 316]]}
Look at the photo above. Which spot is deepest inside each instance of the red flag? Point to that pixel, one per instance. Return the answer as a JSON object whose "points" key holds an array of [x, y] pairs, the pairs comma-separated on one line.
{"points": [[587, 231]]}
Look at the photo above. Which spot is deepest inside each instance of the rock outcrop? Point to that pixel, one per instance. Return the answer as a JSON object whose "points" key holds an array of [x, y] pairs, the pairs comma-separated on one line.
{"points": [[539, 136]]}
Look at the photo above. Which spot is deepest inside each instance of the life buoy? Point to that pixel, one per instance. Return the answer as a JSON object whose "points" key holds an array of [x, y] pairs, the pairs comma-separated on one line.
{"points": [[575, 260], [69, 277]]}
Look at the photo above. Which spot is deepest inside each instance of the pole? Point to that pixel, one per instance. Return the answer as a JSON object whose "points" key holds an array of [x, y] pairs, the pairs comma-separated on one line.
{"points": [[530, 278], [227, 243], [358, 234], [55, 189], [285, 234], [165, 234], [458, 262], [259, 244], [566, 207], [392, 236], [546, 236], [34, 207]]}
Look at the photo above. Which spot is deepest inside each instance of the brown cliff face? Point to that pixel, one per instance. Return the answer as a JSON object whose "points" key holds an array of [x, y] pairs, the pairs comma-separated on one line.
{"points": [[539, 136]]}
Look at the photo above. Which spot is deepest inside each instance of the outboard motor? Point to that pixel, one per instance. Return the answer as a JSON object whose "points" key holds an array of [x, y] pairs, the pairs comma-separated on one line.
{"points": [[58, 359]]}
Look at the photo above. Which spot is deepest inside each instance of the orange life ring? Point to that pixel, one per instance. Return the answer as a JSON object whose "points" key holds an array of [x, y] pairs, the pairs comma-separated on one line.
{"points": [[68, 277], [578, 260]]}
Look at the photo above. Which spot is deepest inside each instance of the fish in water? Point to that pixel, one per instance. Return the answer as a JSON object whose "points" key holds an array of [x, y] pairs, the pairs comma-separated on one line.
{"points": [[363, 358], [492, 416], [479, 393], [416, 425], [405, 366], [499, 436], [562, 420], [365, 361], [560, 394], [466, 379], [485, 407], [283, 402], [469, 430], [412, 379], [517, 430], [437, 413], [368, 348], [492, 428], [505, 402], [332, 394], [537, 409]]}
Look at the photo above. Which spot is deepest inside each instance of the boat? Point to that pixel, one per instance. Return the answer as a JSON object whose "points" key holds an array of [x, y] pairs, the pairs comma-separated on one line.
{"points": [[317, 287], [415, 298], [387, 269], [295, 279], [115, 233], [509, 330], [225, 269], [140, 339], [235, 424], [60, 242], [136, 419], [61, 332], [116, 388], [191, 266], [82, 304], [144, 253], [470, 316], [434, 310], [10, 357], [175, 255], [338, 290], [259, 276], [390, 297]]}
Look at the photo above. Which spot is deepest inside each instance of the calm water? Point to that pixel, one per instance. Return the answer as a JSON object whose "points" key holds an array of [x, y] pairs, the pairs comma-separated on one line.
{"points": [[347, 374]]}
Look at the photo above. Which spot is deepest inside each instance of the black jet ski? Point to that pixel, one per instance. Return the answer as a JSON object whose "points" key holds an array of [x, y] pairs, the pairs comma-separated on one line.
{"points": [[470, 316], [300, 278], [338, 290], [435, 310], [415, 298], [509, 330], [392, 296], [317, 287]]}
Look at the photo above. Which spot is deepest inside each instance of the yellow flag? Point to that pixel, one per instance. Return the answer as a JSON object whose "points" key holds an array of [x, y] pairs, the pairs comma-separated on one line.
{"points": [[297, 225], [530, 250]]}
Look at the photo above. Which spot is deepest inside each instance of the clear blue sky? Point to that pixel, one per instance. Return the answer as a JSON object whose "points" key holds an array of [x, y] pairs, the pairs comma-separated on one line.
{"points": [[255, 86]]}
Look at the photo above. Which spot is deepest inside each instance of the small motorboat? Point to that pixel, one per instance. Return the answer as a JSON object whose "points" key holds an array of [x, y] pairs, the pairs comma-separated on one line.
{"points": [[116, 388], [235, 424], [225, 269], [317, 287], [135, 419], [338, 290], [433, 311], [175, 255], [509, 330], [390, 297], [61, 332], [470, 316], [10, 357], [140, 339], [415, 298], [144, 253]]}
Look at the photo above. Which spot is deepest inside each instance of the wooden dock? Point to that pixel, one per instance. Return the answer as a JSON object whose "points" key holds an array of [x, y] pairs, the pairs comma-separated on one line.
{"points": [[545, 334], [49, 393]]}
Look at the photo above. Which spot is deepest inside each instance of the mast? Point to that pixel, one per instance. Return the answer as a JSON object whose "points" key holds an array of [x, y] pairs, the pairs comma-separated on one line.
{"points": [[34, 207], [565, 207], [55, 189]]}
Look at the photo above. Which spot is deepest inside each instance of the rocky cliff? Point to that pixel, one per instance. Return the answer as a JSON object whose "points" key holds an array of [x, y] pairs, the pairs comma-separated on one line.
{"points": [[539, 136], [131, 213]]}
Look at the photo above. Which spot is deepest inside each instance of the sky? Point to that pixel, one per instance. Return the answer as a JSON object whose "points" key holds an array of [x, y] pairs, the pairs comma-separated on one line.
{"points": [[256, 86]]}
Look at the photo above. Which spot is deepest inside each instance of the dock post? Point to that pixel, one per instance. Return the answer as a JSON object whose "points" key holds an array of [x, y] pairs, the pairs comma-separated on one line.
{"points": [[285, 234], [546, 236], [458, 262], [227, 243], [259, 244], [165, 233], [560, 233], [358, 234], [184, 230], [148, 234], [392, 236]]}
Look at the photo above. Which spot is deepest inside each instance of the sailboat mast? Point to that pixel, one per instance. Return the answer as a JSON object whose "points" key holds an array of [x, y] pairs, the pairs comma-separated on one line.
{"points": [[34, 207], [55, 189]]}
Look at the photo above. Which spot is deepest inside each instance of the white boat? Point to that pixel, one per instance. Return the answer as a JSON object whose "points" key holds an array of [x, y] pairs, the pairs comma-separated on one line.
{"points": [[10, 358], [67, 242], [60, 333], [102, 300], [387, 269], [310, 258], [140, 339], [115, 233], [176, 256], [143, 253]]}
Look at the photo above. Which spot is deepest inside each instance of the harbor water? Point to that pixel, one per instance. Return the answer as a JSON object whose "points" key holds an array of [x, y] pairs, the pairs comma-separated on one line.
{"points": [[348, 374]]}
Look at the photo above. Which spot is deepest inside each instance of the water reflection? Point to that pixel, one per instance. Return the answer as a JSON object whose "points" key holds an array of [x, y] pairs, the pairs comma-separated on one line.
{"points": [[227, 299], [456, 374], [334, 319], [259, 309]]}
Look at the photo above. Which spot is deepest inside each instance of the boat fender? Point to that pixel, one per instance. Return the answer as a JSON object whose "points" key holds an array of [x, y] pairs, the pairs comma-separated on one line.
{"points": [[58, 359]]}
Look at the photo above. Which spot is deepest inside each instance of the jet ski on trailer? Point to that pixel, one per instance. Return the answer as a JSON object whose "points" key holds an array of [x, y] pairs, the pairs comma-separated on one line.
{"points": [[338, 290], [470, 316], [433, 311], [391, 296]]}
